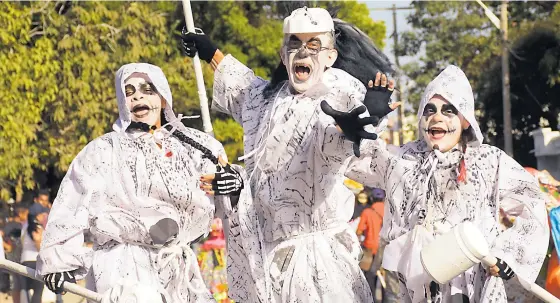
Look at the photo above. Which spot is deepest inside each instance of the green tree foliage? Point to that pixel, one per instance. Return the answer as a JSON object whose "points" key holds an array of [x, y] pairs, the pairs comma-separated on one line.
{"points": [[534, 88], [459, 33], [230, 134], [62, 58], [58, 60], [28, 68]]}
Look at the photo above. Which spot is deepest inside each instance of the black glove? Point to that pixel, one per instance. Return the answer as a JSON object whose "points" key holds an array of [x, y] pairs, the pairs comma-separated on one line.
{"points": [[55, 281], [505, 272], [377, 101], [198, 42], [351, 124], [227, 181], [435, 291]]}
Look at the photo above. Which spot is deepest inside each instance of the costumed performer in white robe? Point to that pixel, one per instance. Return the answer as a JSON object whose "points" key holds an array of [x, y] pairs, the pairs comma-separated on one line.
{"points": [[445, 178], [295, 234], [136, 189]]}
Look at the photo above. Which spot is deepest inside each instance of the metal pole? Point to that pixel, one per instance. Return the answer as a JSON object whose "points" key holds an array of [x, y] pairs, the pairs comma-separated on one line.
{"points": [[204, 112], [397, 94], [31, 273], [508, 140]]}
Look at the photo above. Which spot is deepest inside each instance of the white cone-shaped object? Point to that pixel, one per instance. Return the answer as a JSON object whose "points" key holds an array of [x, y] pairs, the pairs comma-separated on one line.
{"points": [[453, 253]]}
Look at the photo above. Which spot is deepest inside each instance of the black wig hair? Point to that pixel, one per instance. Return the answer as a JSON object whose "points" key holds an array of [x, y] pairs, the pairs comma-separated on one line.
{"points": [[357, 55]]}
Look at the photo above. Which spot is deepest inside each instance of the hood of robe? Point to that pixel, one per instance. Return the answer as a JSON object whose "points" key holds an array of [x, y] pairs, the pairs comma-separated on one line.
{"points": [[453, 85], [158, 79]]}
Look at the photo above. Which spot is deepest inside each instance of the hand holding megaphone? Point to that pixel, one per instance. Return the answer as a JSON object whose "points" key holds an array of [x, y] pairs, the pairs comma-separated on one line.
{"points": [[498, 268], [461, 248], [541, 293]]}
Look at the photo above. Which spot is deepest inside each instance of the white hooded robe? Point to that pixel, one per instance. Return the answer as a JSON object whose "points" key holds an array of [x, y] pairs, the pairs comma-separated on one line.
{"points": [[423, 194], [141, 203]]}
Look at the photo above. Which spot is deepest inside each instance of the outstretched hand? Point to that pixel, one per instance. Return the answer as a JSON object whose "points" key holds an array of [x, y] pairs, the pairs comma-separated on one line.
{"points": [[351, 125]]}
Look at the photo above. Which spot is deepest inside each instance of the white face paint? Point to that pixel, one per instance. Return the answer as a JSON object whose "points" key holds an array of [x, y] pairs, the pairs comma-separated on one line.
{"points": [[142, 99], [441, 124], [306, 57]]}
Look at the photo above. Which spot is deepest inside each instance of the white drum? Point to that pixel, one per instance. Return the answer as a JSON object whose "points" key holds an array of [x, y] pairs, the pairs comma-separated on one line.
{"points": [[453, 253]]}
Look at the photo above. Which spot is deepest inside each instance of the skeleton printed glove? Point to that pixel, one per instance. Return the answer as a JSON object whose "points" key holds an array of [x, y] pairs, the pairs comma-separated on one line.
{"points": [[198, 42], [505, 272], [228, 181], [55, 281]]}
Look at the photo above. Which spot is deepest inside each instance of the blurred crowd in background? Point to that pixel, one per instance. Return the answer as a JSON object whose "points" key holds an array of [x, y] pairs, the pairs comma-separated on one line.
{"points": [[22, 228]]}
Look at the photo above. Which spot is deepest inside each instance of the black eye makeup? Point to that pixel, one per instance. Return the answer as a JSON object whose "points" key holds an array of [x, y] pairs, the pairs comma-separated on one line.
{"points": [[294, 42], [429, 109], [129, 90], [146, 88], [294, 38], [449, 110], [313, 45]]}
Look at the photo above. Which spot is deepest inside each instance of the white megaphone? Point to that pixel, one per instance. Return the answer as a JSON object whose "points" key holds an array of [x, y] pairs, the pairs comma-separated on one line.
{"points": [[460, 249]]}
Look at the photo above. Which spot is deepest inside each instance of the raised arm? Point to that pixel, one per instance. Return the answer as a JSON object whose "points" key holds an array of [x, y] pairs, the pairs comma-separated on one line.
{"points": [[371, 158], [233, 81], [346, 94], [216, 59]]}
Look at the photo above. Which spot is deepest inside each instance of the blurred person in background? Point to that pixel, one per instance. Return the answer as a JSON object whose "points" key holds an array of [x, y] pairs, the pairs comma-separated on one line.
{"points": [[4, 275], [32, 236], [370, 224], [41, 199], [17, 222], [362, 202]]}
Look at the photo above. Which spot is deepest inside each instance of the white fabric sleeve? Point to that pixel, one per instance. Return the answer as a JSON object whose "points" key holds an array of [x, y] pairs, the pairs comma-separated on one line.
{"points": [[332, 145], [233, 83], [524, 245], [371, 168], [346, 94], [62, 247]]}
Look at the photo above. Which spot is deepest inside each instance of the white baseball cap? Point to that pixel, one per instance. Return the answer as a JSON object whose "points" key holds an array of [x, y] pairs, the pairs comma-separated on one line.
{"points": [[308, 20]]}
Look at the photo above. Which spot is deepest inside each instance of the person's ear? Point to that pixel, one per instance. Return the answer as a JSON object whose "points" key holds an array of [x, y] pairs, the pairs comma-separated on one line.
{"points": [[331, 58], [464, 123]]}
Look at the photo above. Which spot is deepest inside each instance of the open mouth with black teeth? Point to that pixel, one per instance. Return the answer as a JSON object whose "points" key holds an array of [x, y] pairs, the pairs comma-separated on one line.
{"points": [[141, 110], [437, 133], [302, 71]]}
